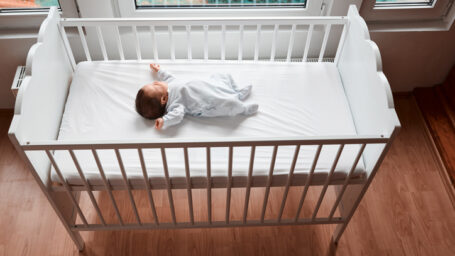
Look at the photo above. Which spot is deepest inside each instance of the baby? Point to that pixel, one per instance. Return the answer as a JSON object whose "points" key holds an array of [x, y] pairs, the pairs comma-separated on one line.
{"points": [[169, 99]]}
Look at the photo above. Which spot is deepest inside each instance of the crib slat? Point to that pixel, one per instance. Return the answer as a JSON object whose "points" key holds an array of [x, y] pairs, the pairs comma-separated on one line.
{"points": [[256, 46], [291, 43], [324, 42], [147, 185], [101, 42], [346, 181], [229, 185], [248, 185], [107, 185], [288, 182], [269, 182], [127, 184], [171, 41], [68, 49], [327, 181], [67, 188], [206, 42], [275, 32], [241, 43], [188, 39], [119, 43], [87, 186], [308, 182], [209, 186], [155, 48], [84, 43], [223, 42], [307, 43], [341, 43], [188, 184], [138, 47], [168, 185]]}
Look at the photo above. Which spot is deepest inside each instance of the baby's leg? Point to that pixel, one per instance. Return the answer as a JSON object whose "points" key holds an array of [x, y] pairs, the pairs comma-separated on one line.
{"points": [[232, 107], [251, 108], [236, 107], [242, 92]]}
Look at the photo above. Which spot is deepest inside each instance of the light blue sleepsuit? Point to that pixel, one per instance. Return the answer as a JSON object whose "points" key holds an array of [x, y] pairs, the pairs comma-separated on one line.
{"points": [[217, 95]]}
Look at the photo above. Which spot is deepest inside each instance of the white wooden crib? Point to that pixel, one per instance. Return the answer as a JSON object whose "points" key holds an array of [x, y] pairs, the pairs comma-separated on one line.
{"points": [[52, 64]]}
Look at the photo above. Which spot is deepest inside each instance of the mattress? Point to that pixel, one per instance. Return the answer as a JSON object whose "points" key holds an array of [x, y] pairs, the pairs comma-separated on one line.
{"points": [[295, 99]]}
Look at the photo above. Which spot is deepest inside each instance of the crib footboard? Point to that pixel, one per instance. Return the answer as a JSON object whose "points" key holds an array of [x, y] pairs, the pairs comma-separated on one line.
{"points": [[41, 98], [39, 107], [370, 100]]}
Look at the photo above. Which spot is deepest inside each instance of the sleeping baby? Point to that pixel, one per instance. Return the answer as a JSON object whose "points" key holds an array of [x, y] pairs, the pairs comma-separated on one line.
{"points": [[169, 99]]}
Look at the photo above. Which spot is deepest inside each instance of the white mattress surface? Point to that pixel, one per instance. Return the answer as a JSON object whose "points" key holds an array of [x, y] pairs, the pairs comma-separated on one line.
{"points": [[295, 99]]}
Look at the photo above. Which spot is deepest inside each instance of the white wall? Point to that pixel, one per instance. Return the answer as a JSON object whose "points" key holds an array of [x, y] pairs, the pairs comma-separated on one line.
{"points": [[13, 53], [416, 59], [411, 59]]}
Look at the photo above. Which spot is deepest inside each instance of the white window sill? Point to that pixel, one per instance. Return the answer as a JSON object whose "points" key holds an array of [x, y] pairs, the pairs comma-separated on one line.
{"points": [[26, 33], [410, 26], [20, 21]]}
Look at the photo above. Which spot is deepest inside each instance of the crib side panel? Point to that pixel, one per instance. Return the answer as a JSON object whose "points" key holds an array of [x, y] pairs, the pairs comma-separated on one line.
{"points": [[366, 87], [41, 98]]}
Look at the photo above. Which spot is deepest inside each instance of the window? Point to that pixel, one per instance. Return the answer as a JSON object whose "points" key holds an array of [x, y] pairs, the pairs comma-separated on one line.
{"points": [[22, 18], [403, 3], [144, 4], [218, 8], [8, 6], [408, 14]]}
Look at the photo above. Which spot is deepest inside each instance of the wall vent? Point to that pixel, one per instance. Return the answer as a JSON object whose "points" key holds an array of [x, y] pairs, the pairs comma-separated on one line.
{"points": [[18, 78]]}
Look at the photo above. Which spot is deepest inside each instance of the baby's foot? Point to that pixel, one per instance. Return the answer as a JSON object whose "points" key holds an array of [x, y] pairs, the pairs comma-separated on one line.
{"points": [[251, 109], [244, 92]]}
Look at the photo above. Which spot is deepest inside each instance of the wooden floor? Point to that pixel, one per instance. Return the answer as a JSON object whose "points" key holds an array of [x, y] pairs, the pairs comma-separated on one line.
{"points": [[405, 212]]}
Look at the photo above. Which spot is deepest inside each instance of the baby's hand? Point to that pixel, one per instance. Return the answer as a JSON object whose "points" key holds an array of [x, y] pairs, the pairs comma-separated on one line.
{"points": [[155, 67], [159, 123]]}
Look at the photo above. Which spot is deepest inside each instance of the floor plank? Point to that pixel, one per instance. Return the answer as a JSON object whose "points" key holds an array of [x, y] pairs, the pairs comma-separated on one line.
{"points": [[436, 113], [405, 212]]}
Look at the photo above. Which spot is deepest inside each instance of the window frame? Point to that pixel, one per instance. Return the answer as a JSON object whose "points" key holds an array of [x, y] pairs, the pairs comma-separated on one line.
{"points": [[17, 21], [127, 9], [405, 13]]}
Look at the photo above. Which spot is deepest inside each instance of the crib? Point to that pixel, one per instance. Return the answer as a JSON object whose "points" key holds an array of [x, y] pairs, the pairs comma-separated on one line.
{"points": [[344, 152]]}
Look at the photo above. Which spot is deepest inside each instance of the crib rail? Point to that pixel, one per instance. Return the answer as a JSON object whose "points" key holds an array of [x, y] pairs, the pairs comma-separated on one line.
{"points": [[320, 142], [290, 38], [202, 142]]}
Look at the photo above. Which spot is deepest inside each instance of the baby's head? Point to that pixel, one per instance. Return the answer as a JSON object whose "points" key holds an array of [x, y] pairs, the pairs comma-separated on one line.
{"points": [[151, 100]]}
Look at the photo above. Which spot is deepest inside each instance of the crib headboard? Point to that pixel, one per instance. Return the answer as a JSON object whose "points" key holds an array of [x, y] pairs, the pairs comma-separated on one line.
{"points": [[41, 98], [368, 92]]}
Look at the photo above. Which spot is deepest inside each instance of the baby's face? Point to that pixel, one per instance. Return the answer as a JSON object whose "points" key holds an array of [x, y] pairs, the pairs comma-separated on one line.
{"points": [[157, 89]]}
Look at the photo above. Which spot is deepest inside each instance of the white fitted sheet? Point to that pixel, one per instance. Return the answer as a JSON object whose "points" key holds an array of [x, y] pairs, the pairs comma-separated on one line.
{"points": [[295, 99]]}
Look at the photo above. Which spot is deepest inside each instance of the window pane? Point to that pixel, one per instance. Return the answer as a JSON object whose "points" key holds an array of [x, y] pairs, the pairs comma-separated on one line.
{"points": [[218, 3], [404, 2], [27, 5]]}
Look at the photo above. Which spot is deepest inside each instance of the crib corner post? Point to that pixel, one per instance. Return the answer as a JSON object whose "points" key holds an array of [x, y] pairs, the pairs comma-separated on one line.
{"points": [[58, 200], [338, 232], [347, 206], [77, 240], [68, 215]]}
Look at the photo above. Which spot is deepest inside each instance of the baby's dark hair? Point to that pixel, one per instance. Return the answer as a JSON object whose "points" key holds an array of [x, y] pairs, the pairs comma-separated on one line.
{"points": [[149, 107]]}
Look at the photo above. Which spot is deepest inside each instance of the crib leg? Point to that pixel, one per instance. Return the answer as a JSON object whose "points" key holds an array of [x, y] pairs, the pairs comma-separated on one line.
{"points": [[58, 201], [67, 213], [338, 232], [348, 204]]}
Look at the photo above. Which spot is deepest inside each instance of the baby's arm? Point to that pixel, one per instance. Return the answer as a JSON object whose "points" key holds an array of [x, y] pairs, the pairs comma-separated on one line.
{"points": [[174, 116], [162, 75]]}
